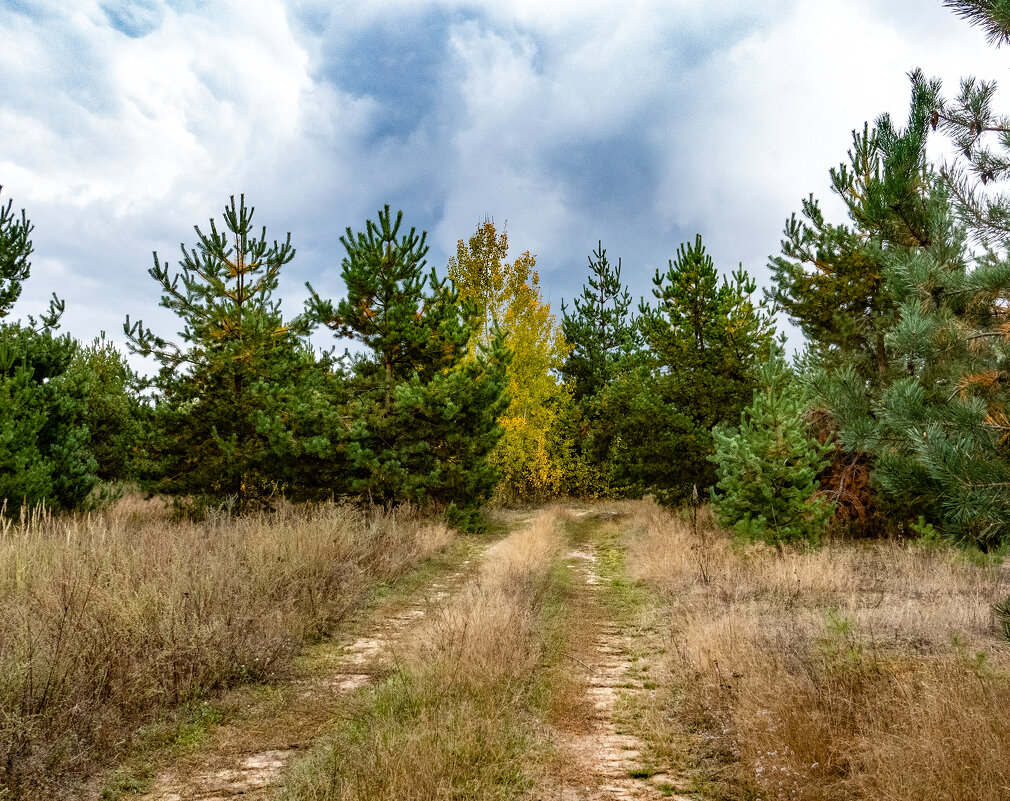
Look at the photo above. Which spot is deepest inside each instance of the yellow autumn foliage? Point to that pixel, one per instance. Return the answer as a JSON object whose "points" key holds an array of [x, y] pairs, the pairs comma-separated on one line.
{"points": [[530, 454]]}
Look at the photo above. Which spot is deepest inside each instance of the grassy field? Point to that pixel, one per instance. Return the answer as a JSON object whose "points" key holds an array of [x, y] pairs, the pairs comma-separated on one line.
{"points": [[871, 670], [856, 671], [112, 619]]}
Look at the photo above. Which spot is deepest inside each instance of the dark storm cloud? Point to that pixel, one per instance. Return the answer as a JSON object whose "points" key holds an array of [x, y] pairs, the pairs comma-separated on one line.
{"points": [[400, 63]]}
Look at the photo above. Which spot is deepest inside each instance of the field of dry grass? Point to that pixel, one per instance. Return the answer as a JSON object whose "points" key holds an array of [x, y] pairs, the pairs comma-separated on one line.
{"points": [[109, 619], [458, 717], [856, 671]]}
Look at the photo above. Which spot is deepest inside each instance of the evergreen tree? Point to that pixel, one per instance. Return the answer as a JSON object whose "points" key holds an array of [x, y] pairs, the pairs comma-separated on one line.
{"points": [[44, 454], [944, 426], [605, 343], [600, 331], [707, 339], [768, 467], [707, 333], [991, 15], [423, 416], [15, 250], [830, 278], [838, 283], [243, 399], [58, 435], [112, 412]]}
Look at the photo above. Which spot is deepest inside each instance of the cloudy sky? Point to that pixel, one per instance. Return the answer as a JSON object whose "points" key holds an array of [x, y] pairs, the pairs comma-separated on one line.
{"points": [[641, 123]]}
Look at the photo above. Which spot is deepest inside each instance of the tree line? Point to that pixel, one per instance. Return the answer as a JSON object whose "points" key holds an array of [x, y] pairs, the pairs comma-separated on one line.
{"points": [[461, 388], [464, 386]]}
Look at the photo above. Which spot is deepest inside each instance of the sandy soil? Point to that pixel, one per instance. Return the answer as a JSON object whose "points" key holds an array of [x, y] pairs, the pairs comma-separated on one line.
{"points": [[604, 760]]}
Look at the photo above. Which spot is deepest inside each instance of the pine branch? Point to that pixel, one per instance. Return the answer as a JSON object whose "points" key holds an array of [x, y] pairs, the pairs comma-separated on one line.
{"points": [[993, 16]]}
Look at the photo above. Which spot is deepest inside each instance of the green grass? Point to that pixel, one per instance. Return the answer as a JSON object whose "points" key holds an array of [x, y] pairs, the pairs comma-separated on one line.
{"points": [[171, 737]]}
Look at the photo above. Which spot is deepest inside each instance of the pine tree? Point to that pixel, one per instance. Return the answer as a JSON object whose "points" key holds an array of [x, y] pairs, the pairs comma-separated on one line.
{"points": [[49, 397], [605, 343], [830, 278], [991, 15], [601, 329], [708, 333], [15, 250], [243, 398], [839, 283], [943, 427], [57, 430], [112, 411], [707, 339], [768, 467], [422, 416]]}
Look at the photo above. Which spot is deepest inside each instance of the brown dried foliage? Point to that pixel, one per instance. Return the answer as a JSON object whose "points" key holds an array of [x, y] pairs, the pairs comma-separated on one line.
{"points": [[108, 619], [863, 671], [846, 481]]}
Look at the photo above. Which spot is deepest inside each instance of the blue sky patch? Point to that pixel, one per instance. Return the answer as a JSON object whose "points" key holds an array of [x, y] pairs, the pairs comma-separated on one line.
{"points": [[135, 19]]}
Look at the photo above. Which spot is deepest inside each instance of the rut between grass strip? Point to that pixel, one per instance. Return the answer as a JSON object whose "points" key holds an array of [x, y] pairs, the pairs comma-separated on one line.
{"points": [[460, 716], [603, 759]]}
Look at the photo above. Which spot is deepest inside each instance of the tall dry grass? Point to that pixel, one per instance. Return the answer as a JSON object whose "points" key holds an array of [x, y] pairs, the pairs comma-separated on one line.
{"points": [[857, 671], [457, 719], [106, 619]]}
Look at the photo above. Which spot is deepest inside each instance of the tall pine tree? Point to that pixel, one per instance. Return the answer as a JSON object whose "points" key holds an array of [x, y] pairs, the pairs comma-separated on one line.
{"points": [[422, 417], [946, 424], [707, 338], [838, 284], [242, 403], [600, 329]]}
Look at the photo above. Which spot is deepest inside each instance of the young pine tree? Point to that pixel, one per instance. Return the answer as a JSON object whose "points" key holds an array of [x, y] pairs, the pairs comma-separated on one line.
{"points": [[242, 402], [605, 343], [423, 416], [600, 329], [15, 250], [707, 339], [58, 430], [768, 466]]}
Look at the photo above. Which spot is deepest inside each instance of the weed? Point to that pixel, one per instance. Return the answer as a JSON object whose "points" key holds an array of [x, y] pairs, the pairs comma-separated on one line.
{"points": [[456, 720]]}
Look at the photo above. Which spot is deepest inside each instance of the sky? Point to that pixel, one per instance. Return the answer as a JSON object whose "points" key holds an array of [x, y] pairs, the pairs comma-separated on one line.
{"points": [[640, 123]]}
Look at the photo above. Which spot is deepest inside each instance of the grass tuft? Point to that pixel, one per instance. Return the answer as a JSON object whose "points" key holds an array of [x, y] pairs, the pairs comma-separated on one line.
{"points": [[458, 717]]}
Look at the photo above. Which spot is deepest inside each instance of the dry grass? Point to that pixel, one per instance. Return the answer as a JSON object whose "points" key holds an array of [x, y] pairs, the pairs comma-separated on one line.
{"points": [[109, 618], [457, 719], [857, 671]]}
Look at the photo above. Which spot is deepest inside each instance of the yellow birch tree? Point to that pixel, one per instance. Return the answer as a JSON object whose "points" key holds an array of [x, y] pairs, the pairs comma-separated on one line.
{"points": [[530, 454]]}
